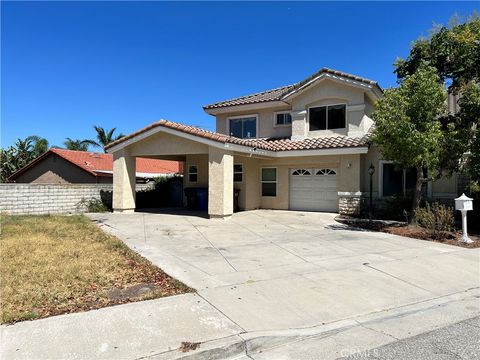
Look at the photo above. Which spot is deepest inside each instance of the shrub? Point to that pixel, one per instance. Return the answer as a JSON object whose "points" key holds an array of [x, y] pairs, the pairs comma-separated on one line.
{"points": [[436, 217], [93, 205], [397, 207]]}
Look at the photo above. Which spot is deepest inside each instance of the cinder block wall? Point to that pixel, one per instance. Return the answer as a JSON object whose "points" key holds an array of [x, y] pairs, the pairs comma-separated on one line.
{"points": [[39, 199]]}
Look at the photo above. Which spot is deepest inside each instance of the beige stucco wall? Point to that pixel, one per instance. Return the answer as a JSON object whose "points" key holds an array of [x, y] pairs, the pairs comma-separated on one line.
{"points": [[123, 181], [441, 188], [166, 144], [324, 93], [265, 127], [55, 170], [348, 175], [220, 187], [249, 197], [331, 92], [201, 161]]}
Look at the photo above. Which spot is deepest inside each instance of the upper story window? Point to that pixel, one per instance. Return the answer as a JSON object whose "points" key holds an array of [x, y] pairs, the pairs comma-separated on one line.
{"points": [[327, 117], [282, 118], [243, 127]]}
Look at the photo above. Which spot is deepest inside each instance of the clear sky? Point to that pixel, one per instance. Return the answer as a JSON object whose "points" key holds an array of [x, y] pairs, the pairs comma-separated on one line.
{"points": [[67, 66]]}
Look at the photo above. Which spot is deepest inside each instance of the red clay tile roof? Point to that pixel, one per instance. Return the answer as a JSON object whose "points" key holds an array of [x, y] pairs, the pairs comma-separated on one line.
{"points": [[281, 92], [276, 144], [101, 164]]}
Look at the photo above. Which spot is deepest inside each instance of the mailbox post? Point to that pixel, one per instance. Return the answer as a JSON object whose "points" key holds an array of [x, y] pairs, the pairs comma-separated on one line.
{"points": [[464, 204]]}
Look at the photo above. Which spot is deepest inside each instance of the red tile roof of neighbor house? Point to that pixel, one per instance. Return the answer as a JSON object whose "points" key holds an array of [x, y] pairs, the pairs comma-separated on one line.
{"points": [[284, 91], [99, 164], [273, 144]]}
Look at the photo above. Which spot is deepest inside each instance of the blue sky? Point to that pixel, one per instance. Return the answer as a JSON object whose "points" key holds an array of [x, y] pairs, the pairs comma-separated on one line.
{"points": [[67, 66]]}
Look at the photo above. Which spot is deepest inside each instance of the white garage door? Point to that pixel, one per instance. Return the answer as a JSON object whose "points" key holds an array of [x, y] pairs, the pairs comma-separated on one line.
{"points": [[313, 189]]}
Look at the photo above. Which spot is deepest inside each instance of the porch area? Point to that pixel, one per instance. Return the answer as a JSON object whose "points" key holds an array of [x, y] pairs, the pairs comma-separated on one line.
{"points": [[263, 176]]}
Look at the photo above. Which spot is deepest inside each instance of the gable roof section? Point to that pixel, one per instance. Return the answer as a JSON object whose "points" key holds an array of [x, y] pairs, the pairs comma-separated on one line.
{"points": [[98, 164], [284, 92], [274, 145]]}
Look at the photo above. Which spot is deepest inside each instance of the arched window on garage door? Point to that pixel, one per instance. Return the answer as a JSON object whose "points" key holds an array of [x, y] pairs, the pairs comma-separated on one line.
{"points": [[324, 172], [301, 172]]}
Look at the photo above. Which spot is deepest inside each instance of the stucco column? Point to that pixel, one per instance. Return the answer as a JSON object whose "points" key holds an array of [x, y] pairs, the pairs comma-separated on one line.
{"points": [[349, 185], [299, 124], [123, 182], [220, 183]]}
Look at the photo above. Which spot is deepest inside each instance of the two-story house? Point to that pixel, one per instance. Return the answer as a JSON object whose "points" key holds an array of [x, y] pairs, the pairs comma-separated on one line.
{"points": [[299, 147]]}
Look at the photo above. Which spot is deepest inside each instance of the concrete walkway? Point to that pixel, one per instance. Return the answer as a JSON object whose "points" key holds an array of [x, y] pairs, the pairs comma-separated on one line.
{"points": [[266, 279]]}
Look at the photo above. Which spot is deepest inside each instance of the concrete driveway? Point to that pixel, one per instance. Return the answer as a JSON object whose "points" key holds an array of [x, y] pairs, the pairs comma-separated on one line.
{"points": [[271, 285], [275, 270]]}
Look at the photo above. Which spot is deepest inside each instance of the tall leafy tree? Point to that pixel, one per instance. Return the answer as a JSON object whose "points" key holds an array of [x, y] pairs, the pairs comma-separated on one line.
{"points": [[78, 144], [454, 52], [407, 126], [105, 137], [20, 154], [40, 145]]}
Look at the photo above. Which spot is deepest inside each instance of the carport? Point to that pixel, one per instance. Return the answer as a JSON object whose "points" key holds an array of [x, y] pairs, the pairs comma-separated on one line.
{"points": [[210, 152]]}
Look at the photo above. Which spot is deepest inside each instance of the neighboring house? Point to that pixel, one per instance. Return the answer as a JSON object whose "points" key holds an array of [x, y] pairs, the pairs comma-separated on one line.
{"points": [[59, 166], [299, 147]]}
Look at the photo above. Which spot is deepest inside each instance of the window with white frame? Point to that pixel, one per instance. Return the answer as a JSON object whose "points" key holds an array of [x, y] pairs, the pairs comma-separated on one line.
{"points": [[283, 118], [238, 173], [396, 181], [193, 173], [269, 182], [243, 127], [327, 117]]}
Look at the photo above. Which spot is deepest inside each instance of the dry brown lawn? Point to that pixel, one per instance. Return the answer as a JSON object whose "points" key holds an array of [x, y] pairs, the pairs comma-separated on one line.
{"points": [[52, 265]]}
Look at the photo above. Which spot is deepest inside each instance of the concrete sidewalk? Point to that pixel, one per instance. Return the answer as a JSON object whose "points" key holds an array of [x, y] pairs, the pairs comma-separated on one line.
{"points": [[127, 331]]}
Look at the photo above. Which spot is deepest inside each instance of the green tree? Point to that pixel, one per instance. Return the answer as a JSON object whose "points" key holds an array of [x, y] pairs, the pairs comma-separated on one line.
{"points": [[20, 154], [105, 137], [454, 52], [407, 126], [39, 145], [77, 144], [8, 164]]}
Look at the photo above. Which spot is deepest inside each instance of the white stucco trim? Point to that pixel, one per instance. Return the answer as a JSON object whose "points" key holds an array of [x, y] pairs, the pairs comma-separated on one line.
{"points": [[245, 107], [336, 78], [339, 151], [235, 147], [139, 174], [178, 133], [358, 107], [350, 193]]}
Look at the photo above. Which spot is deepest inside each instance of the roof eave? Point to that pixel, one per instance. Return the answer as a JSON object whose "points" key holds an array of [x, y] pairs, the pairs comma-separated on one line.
{"points": [[367, 86], [245, 107]]}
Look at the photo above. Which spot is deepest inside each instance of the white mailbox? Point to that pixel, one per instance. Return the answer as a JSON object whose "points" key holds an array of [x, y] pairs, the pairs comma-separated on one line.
{"points": [[464, 204]]}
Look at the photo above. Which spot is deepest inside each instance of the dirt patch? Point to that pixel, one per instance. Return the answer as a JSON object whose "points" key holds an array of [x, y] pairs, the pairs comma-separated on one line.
{"points": [[132, 292], [411, 231], [416, 232], [187, 346]]}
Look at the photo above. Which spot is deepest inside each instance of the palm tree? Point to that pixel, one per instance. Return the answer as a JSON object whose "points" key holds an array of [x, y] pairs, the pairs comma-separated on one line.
{"points": [[40, 145], [77, 144], [105, 137], [23, 152]]}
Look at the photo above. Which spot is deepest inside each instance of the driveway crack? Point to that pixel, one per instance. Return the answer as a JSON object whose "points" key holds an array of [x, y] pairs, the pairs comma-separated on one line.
{"points": [[212, 245], [396, 277], [274, 243]]}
